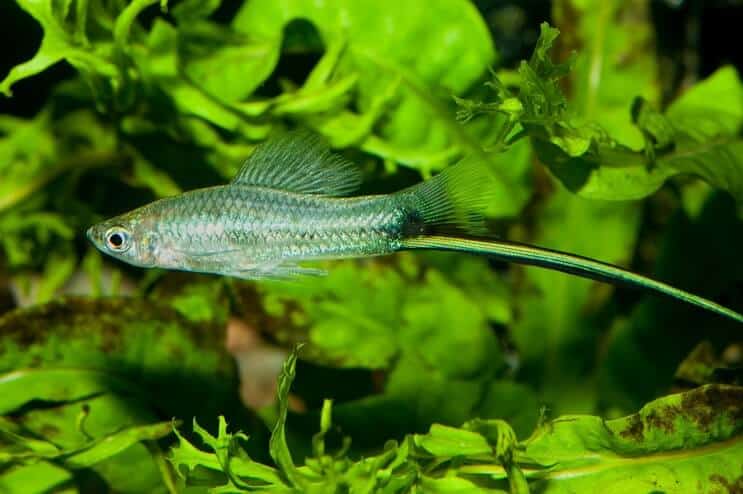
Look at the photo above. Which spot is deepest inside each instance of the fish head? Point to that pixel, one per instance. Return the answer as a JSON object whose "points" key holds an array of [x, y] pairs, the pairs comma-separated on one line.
{"points": [[127, 238]]}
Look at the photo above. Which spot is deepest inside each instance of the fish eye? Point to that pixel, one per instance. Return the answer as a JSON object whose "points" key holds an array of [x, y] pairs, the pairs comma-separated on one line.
{"points": [[118, 239]]}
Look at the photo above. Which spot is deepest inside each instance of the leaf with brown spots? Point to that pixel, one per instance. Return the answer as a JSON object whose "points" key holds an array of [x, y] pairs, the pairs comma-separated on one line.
{"points": [[688, 442]]}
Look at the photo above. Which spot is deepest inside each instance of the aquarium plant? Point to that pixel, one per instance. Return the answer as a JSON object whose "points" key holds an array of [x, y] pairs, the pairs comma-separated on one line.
{"points": [[604, 129]]}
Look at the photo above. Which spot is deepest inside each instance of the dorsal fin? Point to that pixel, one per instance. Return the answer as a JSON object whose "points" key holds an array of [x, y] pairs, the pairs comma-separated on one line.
{"points": [[299, 162]]}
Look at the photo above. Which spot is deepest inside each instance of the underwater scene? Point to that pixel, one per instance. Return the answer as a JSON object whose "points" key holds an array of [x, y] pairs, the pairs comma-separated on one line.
{"points": [[371, 246]]}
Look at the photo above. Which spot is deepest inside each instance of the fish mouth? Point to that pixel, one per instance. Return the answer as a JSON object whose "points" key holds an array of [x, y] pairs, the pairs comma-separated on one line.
{"points": [[90, 234]]}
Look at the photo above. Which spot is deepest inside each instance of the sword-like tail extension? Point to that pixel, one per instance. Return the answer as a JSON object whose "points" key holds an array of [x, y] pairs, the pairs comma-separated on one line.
{"points": [[567, 263], [454, 200]]}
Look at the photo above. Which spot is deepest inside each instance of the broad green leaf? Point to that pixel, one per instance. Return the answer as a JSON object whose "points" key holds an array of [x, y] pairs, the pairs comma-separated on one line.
{"points": [[131, 339], [683, 442], [680, 443], [114, 444], [713, 106], [454, 485], [57, 385], [454, 62], [228, 66], [112, 366]]}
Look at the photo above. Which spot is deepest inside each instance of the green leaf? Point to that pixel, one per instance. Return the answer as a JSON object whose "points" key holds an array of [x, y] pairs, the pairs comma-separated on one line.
{"points": [[227, 65], [35, 478], [278, 447], [113, 444], [194, 9], [99, 453], [683, 442], [187, 459], [345, 329], [358, 25], [57, 44], [37, 155], [30, 149], [449, 441], [454, 485], [713, 106], [704, 144], [23, 386], [99, 358]]}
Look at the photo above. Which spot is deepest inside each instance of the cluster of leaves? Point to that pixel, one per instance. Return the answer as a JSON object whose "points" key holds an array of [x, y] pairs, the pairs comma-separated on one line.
{"points": [[171, 97], [696, 135], [675, 440]]}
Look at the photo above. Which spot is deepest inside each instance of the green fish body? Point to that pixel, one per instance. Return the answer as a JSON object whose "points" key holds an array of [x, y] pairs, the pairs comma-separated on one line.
{"points": [[254, 232], [286, 205]]}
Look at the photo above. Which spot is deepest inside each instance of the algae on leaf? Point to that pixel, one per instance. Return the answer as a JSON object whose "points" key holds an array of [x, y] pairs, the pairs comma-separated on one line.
{"points": [[679, 443]]}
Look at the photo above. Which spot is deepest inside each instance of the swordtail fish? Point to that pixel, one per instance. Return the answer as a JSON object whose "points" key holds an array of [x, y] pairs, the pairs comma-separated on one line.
{"points": [[289, 204]]}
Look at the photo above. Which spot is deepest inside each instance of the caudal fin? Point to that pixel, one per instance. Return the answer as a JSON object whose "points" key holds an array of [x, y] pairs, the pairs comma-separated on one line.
{"points": [[452, 200], [455, 200]]}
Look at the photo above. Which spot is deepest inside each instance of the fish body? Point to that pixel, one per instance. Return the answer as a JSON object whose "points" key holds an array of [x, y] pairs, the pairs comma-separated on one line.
{"points": [[286, 205], [256, 232]]}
